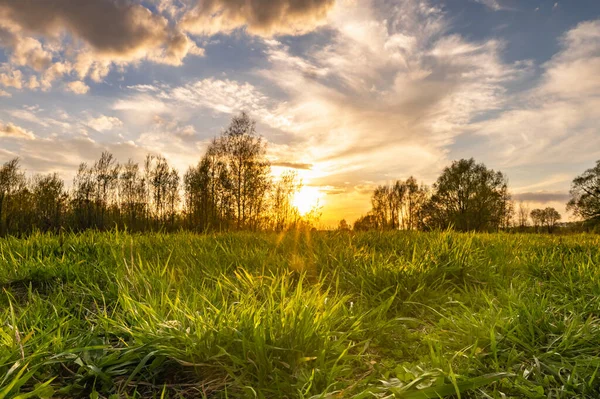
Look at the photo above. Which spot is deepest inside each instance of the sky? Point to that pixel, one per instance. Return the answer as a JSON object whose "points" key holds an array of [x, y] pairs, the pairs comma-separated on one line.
{"points": [[349, 93]]}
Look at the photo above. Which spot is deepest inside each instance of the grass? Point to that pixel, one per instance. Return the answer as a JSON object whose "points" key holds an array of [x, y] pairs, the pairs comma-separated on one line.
{"points": [[300, 315]]}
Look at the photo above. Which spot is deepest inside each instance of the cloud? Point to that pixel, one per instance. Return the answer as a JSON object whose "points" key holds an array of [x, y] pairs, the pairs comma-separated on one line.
{"points": [[13, 131], [542, 197], [88, 37], [11, 77], [25, 51], [492, 4], [292, 165], [27, 115], [78, 87], [381, 99], [260, 17], [104, 122], [556, 120]]}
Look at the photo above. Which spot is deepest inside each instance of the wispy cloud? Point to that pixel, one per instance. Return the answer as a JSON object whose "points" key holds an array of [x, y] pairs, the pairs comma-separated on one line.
{"points": [[11, 130]]}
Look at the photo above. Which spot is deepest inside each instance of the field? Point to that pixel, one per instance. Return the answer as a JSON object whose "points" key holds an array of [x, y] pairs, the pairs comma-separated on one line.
{"points": [[300, 315]]}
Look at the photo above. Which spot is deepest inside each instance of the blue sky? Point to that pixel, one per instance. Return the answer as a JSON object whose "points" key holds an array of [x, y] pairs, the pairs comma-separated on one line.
{"points": [[354, 93]]}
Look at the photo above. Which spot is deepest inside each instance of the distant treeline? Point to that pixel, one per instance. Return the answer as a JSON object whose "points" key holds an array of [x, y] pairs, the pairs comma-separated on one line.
{"points": [[470, 197], [231, 188]]}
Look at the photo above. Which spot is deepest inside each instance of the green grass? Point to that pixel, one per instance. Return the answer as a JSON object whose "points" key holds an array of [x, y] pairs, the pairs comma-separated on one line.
{"points": [[319, 315]]}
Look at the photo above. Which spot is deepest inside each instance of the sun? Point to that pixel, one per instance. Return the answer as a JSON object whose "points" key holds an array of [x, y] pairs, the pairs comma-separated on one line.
{"points": [[306, 199]]}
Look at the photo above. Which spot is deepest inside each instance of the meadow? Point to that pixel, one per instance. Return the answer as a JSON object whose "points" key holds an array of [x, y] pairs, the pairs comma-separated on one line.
{"points": [[300, 315]]}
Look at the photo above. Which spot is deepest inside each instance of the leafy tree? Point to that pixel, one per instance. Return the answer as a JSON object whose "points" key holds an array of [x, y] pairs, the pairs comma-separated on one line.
{"points": [[249, 171], [106, 174], [48, 201], [551, 217], [414, 198], [538, 216], [162, 186], [585, 195], [343, 226], [230, 185], [132, 195], [366, 223], [547, 217], [469, 196], [12, 183], [399, 206]]}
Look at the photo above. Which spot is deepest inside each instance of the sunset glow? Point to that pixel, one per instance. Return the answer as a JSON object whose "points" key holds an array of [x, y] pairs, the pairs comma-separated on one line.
{"points": [[348, 94], [307, 199]]}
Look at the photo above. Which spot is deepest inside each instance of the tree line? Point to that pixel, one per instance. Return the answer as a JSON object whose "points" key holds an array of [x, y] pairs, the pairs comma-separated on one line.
{"points": [[230, 188], [468, 196]]}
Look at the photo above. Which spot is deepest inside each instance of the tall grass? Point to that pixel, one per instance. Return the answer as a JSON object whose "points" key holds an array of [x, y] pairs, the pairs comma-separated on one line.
{"points": [[300, 315]]}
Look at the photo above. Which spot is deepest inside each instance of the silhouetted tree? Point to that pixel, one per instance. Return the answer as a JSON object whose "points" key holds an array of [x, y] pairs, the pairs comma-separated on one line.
{"points": [[343, 225], [552, 217], [283, 213], [469, 196], [132, 195], [366, 223], [48, 201], [545, 218], [105, 174], [585, 195], [523, 216], [538, 217], [244, 154], [399, 206], [12, 184]]}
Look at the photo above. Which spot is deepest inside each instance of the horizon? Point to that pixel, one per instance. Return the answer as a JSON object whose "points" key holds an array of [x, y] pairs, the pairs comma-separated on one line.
{"points": [[350, 94]]}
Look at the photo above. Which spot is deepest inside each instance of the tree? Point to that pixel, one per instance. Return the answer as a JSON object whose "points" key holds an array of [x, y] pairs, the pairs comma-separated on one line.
{"points": [[162, 186], [48, 201], [245, 156], [538, 216], [399, 206], [413, 198], [551, 216], [523, 215], [82, 198], [12, 182], [106, 175], [585, 195], [231, 183], [132, 195], [343, 226], [545, 218], [469, 196], [366, 223], [283, 213]]}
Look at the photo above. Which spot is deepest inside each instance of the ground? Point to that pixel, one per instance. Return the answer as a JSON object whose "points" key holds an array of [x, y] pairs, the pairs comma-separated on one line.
{"points": [[300, 315]]}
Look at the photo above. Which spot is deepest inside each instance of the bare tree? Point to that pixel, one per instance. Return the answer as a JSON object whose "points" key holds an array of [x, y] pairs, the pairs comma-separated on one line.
{"points": [[523, 215], [283, 213]]}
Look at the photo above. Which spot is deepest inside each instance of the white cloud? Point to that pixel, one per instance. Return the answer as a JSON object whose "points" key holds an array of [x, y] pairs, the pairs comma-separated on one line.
{"points": [[104, 122], [554, 121], [10, 77], [492, 4], [78, 87]]}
